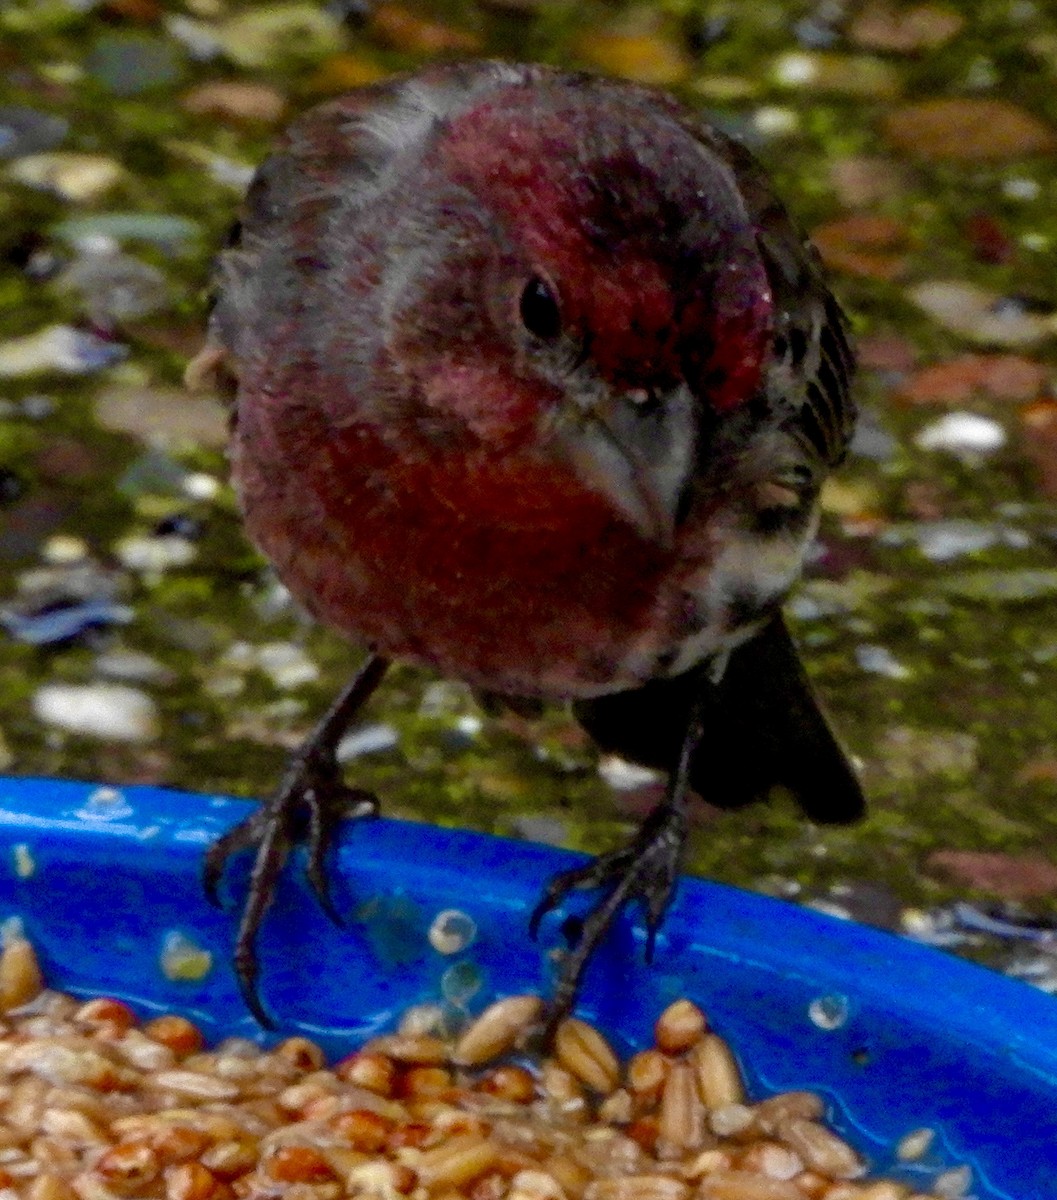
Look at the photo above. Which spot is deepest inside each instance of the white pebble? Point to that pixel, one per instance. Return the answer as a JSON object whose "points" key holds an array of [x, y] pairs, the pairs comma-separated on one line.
{"points": [[101, 710], [1020, 188], [286, 665], [368, 739], [200, 486], [773, 121], [624, 776], [56, 348], [962, 433], [795, 70], [64, 548], [980, 315], [73, 176], [151, 554], [879, 660]]}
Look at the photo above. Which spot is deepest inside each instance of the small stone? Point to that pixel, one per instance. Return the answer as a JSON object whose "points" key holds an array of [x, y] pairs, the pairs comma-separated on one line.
{"points": [[847, 74], [980, 315], [967, 129], [881, 26], [163, 415], [961, 434], [286, 665], [26, 131], [59, 348], [80, 178], [879, 660], [132, 64], [368, 739], [151, 555], [239, 100], [108, 711], [267, 35], [624, 776], [116, 287]]}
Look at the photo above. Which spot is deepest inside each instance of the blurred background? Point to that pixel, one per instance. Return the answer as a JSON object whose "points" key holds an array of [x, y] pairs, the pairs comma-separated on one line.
{"points": [[142, 639]]}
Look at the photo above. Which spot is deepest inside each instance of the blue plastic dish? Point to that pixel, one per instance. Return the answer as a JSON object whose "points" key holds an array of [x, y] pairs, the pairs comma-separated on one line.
{"points": [[898, 1036]]}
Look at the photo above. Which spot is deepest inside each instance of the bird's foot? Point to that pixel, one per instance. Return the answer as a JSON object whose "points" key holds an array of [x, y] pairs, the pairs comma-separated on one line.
{"points": [[645, 870], [309, 804]]}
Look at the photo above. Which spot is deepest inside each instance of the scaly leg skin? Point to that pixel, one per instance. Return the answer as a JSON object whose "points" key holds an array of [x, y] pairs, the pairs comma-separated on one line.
{"points": [[311, 785], [644, 870]]}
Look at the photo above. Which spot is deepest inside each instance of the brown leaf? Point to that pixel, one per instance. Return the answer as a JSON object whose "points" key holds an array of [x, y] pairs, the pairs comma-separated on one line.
{"points": [[999, 376], [924, 27], [405, 29], [1040, 442], [887, 352], [1011, 876], [967, 128], [862, 179], [236, 100], [868, 245]]}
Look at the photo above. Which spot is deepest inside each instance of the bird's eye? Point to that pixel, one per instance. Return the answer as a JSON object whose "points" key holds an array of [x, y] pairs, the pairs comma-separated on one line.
{"points": [[539, 310]]}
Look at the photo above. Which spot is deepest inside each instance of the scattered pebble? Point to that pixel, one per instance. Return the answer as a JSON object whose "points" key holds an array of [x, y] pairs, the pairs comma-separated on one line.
{"points": [[151, 554], [81, 178], [962, 433], [367, 739], [59, 348], [116, 287], [133, 63], [266, 36], [286, 665], [879, 660], [162, 415], [980, 315], [26, 131], [625, 776], [102, 710]]}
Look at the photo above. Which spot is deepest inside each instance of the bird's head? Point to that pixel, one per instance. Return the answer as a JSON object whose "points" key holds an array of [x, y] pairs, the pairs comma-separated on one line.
{"points": [[581, 280]]}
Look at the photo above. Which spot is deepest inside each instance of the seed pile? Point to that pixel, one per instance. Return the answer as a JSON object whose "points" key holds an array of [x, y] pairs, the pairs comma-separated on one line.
{"points": [[96, 1105]]}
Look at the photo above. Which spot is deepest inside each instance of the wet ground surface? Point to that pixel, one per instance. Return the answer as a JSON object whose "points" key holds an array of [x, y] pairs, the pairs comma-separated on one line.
{"points": [[142, 640]]}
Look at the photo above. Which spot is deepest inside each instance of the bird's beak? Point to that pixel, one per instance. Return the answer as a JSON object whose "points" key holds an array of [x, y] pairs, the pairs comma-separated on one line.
{"points": [[638, 451]]}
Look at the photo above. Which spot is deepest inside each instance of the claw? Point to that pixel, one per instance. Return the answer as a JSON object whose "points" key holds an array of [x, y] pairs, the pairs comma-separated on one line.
{"points": [[312, 782]]}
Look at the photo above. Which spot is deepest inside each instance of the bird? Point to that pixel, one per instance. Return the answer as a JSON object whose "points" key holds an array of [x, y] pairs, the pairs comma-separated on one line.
{"points": [[536, 384]]}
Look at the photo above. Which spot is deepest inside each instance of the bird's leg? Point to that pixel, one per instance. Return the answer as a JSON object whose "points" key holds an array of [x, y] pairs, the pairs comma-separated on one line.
{"points": [[312, 787], [645, 870]]}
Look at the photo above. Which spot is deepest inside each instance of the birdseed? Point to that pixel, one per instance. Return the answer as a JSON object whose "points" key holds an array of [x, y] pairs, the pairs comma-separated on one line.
{"points": [[96, 1105]]}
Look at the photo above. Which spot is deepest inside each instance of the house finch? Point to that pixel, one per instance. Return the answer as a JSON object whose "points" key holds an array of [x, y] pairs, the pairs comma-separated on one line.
{"points": [[536, 385]]}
